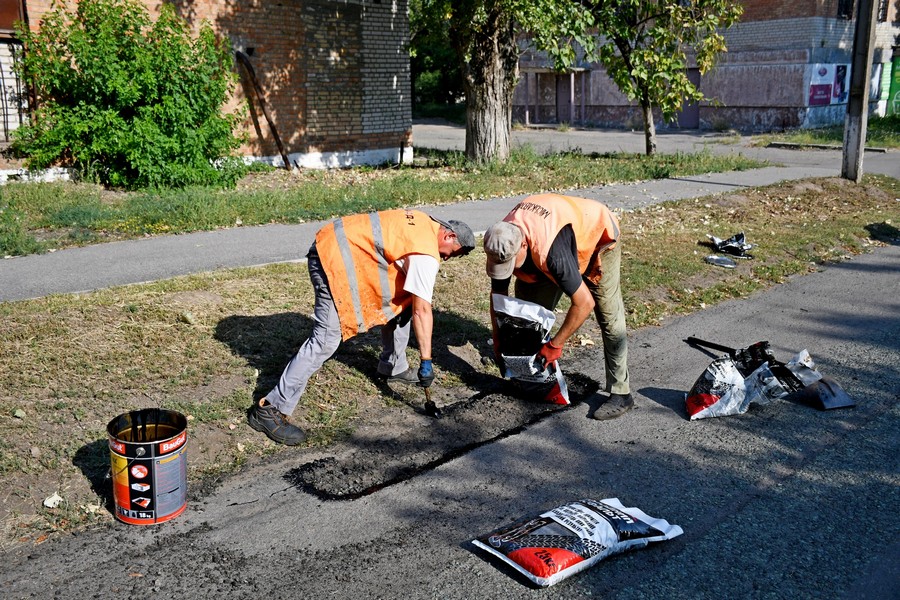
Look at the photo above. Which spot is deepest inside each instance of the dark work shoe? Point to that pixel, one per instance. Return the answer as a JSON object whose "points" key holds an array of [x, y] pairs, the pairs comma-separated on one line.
{"points": [[616, 406], [408, 376], [268, 420]]}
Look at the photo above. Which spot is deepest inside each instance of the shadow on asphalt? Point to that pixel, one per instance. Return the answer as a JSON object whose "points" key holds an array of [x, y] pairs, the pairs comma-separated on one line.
{"points": [[884, 232], [667, 398]]}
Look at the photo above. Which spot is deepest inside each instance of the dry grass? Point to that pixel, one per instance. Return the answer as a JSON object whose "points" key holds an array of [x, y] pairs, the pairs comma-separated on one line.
{"points": [[206, 345]]}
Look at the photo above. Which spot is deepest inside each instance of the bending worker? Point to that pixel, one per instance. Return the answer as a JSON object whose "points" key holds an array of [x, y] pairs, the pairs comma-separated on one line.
{"points": [[554, 244], [367, 270]]}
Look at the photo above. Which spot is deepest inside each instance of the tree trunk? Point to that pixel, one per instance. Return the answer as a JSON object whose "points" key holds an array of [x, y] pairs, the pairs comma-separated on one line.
{"points": [[490, 78], [649, 127]]}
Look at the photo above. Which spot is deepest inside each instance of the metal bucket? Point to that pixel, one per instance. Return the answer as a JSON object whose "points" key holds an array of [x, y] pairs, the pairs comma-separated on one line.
{"points": [[148, 452]]}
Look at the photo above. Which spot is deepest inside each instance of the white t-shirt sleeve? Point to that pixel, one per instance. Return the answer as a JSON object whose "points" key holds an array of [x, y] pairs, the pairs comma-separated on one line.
{"points": [[421, 273]]}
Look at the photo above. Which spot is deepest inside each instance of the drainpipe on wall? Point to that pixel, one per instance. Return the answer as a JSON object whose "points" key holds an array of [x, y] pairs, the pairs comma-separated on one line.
{"points": [[245, 60]]}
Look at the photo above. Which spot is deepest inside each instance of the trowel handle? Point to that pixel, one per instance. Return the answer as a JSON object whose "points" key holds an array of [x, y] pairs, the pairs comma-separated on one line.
{"points": [[713, 346]]}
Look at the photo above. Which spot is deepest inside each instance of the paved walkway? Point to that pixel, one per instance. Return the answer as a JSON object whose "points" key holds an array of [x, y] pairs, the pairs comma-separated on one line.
{"points": [[150, 259]]}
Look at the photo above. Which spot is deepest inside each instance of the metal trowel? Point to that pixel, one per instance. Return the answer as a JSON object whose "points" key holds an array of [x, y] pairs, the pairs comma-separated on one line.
{"points": [[825, 394], [431, 409]]}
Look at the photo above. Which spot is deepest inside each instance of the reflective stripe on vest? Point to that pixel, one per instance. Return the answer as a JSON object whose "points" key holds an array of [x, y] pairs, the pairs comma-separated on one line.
{"points": [[359, 254], [350, 269]]}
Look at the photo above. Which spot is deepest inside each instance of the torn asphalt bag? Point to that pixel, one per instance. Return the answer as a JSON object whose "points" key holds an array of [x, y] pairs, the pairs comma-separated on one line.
{"points": [[752, 375], [736, 245], [522, 328]]}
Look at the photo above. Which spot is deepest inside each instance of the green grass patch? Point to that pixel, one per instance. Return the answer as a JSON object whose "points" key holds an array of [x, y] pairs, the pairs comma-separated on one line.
{"points": [[35, 217]]}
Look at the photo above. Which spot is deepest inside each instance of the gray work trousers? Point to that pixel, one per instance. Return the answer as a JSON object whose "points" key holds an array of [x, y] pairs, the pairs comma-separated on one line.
{"points": [[324, 340], [609, 310]]}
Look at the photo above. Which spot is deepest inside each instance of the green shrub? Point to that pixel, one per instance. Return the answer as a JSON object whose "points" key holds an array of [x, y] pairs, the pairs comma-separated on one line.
{"points": [[128, 102]]}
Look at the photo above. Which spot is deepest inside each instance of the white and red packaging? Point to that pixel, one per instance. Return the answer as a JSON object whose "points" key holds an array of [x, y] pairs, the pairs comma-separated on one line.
{"points": [[558, 543], [524, 328]]}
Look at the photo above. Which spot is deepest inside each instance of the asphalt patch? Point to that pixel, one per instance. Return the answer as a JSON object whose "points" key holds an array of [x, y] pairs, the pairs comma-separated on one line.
{"points": [[466, 425]]}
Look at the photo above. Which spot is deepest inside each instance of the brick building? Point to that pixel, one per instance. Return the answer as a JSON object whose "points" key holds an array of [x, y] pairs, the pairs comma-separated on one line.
{"points": [[331, 75], [787, 66]]}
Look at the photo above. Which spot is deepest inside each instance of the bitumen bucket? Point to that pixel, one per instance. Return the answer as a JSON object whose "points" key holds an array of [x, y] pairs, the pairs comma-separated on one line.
{"points": [[148, 452]]}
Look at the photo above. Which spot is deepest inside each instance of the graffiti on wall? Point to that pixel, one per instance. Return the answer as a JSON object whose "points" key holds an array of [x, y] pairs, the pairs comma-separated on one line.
{"points": [[894, 92]]}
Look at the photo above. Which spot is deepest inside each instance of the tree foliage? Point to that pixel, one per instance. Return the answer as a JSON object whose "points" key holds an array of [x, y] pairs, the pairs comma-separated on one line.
{"points": [[645, 46], [485, 36], [128, 101], [434, 65]]}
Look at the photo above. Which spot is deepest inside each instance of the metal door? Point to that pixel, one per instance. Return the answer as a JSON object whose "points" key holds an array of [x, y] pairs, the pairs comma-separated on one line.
{"points": [[689, 117]]}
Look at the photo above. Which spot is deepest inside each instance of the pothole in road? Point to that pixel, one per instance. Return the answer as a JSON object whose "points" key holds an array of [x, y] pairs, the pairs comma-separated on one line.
{"points": [[365, 467]]}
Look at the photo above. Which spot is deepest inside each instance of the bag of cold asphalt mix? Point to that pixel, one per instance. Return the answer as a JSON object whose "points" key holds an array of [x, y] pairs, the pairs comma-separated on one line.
{"points": [[558, 543], [727, 388], [523, 327]]}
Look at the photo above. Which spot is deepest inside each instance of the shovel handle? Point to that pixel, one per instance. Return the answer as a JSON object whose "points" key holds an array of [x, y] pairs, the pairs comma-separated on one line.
{"points": [[698, 342]]}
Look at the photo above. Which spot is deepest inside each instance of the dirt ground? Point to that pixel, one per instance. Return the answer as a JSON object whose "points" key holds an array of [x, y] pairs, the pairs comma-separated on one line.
{"points": [[7, 163]]}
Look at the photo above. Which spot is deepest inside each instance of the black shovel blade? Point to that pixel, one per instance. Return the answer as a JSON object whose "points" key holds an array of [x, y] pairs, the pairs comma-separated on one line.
{"points": [[826, 394]]}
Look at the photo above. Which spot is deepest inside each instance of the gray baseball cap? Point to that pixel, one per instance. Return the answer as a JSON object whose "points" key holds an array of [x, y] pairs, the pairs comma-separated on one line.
{"points": [[502, 242], [463, 233]]}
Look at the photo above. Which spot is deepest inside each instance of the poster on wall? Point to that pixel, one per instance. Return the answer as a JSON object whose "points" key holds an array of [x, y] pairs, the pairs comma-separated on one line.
{"points": [[841, 84], [829, 84], [821, 83]]}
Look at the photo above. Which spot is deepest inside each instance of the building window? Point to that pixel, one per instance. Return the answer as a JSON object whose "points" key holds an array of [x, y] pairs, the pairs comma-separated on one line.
{"points": [[883, 10], [845, 9]]}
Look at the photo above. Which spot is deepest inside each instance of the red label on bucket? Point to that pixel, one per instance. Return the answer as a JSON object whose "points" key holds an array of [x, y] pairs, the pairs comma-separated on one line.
{"points": [[116, 446], [174, 444]]}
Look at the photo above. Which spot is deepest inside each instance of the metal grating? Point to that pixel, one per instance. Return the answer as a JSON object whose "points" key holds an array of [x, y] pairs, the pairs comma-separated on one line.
{"points": [[13, 101]]}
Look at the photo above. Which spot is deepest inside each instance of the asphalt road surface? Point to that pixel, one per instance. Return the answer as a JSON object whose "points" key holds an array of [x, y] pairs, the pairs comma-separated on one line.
{"points": [[785, 501]]}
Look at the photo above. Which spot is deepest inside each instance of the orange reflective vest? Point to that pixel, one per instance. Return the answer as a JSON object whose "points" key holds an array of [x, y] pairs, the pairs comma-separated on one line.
{"points": [[542, 216], [359, 255]]}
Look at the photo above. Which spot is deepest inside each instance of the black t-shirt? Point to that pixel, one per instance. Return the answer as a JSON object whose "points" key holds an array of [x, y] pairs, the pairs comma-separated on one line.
{"points": [[562, 262]]}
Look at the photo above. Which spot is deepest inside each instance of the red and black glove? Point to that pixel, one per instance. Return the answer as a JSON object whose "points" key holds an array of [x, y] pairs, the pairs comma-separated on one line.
{"points": [[498, 358], [550, 353]]}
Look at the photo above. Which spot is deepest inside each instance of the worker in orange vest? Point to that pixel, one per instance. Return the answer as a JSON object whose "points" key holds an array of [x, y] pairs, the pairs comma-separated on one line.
{"points": [[554, 244], [367, 270]]}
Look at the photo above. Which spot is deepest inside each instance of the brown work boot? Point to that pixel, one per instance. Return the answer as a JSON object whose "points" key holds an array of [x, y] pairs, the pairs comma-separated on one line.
{"points": [[265, 418]]}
